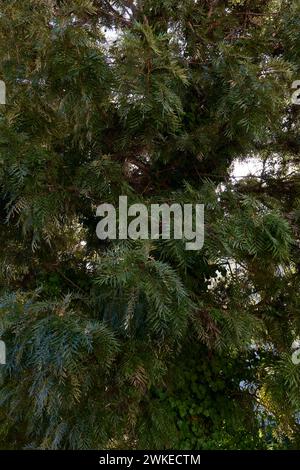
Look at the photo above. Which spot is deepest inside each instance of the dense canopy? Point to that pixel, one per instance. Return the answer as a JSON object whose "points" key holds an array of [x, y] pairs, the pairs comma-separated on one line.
{"points": [[142, 344]]}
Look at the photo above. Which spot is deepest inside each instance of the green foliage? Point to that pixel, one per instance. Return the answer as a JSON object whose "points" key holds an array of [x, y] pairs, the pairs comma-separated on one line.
{"points": [[142, 344], [209, 407]]}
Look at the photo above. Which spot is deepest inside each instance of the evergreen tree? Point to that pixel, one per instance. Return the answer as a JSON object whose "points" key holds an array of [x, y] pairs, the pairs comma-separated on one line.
{"points": [[142, 344]]}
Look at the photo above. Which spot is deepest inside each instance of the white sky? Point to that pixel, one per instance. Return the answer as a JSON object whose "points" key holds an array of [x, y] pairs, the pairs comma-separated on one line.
{"points": [[246, 167]]}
